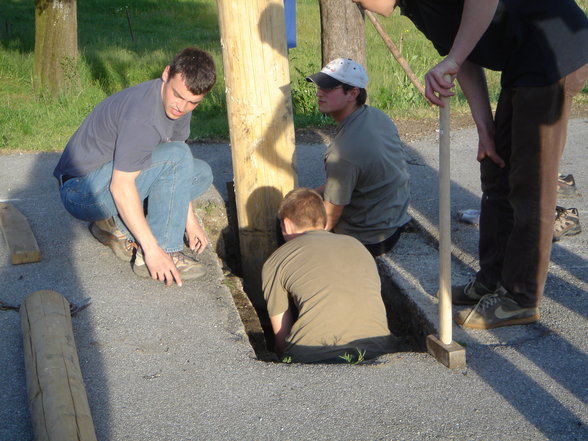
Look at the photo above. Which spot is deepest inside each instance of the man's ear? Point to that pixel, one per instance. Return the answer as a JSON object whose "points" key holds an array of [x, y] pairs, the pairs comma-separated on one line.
{"points": [[165, 74], [288, 226]]}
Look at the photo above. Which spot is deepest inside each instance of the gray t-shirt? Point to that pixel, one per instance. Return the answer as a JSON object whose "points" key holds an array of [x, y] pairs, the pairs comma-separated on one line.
{"points": [[333, 281], [367, 173], [124, 128]]}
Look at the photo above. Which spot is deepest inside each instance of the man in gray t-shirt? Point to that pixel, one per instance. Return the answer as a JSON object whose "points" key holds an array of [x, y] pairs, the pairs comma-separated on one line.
{"points": [[132, 148], [366, 193]]}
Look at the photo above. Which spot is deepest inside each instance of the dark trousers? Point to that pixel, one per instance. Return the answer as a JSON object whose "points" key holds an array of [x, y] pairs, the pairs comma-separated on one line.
{"points": [[518, 201]]}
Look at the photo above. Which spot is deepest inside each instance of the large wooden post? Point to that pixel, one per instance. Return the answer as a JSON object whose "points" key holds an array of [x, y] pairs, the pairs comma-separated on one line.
{"points": [[56, 391], [259, 106]]}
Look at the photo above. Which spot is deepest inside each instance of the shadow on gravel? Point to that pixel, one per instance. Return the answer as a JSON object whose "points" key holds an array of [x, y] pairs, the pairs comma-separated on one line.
{"points": [[35, 194]]}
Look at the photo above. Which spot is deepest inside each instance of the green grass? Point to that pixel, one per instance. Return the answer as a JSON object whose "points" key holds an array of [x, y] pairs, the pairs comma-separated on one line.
{"points": [[110, 61]]}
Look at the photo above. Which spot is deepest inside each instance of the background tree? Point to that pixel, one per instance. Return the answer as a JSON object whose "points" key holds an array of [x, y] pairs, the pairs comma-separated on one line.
{"points": [[56, 46], [342, 31]]}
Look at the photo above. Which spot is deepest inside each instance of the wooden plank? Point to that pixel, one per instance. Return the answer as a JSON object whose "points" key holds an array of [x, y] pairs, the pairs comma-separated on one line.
{"points": [[18, 235], [56, 392]]}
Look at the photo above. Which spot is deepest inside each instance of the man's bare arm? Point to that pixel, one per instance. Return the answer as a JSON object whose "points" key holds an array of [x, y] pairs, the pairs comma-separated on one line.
{"points": [[282, 325], [126, 197], [333, 214], [472, 80], [197, 239]]}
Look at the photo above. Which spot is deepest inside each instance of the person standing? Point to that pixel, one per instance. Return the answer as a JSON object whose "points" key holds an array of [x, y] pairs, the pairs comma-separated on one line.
{"points": [[541, 49]]}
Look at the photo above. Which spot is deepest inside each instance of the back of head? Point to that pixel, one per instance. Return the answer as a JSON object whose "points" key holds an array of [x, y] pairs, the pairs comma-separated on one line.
{"points": [[305, 208], [197, 69]]}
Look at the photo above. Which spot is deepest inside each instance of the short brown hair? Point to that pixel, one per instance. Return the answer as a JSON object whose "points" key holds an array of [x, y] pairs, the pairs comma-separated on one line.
{"points": [[361, 96], [197, 69], [304, 207]]}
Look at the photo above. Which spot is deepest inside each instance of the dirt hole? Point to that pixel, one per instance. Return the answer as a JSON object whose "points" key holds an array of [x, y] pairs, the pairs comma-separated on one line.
{"points": [[405, 320]]}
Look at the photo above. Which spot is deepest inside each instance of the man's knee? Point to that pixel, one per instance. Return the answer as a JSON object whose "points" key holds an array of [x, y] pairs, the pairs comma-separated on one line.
{"points": [[177, 152], [202, 172]]}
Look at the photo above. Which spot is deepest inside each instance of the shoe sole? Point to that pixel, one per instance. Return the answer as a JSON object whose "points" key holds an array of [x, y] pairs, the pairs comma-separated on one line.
{"points": [[111, 241], [511, 322]]}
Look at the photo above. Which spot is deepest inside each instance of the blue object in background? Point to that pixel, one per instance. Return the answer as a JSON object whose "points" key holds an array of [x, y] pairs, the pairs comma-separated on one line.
{"points": [[290, 15]]}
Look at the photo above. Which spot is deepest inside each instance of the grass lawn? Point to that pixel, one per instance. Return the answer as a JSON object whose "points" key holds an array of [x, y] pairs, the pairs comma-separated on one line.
{"points": [[110, 60]]}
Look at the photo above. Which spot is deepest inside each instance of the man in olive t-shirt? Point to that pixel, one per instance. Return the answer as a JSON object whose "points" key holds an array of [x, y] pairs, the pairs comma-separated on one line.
{"points": [[332, 282], [366, 192]]}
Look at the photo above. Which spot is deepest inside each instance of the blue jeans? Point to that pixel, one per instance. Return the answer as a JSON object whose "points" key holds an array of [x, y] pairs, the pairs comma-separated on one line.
{"points": [[172, 180]]}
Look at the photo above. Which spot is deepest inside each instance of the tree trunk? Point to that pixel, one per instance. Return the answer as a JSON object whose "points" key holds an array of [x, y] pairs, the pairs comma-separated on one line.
{"points": [[56, 46], [342, 31]]}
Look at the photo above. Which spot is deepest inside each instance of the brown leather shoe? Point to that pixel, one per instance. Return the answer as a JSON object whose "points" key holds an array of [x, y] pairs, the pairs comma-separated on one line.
{"points": [[106, 232]]}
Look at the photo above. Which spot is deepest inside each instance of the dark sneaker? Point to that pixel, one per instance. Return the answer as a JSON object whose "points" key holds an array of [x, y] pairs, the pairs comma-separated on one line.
{"points": [[566, 185], [567, 223], [470, 293], [496, 310], [189, 269], [108, 234]]}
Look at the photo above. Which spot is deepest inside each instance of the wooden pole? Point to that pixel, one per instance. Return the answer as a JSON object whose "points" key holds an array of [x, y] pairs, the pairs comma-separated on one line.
{"points": [[444, 224], [395, 52], [257, 81], [444, 349], [57, 396]]}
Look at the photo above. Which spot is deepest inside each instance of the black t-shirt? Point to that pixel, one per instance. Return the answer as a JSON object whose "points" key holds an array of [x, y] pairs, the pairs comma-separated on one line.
{"points": [[533, 42]]}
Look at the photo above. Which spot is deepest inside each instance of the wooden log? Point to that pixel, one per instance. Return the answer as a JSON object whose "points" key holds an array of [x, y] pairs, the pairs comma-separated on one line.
{"points": [[18, 235], [56, 392], [259, 104]]}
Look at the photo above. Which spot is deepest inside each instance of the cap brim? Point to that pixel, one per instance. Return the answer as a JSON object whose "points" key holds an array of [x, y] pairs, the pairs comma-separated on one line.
{"points": [[323, 80]]}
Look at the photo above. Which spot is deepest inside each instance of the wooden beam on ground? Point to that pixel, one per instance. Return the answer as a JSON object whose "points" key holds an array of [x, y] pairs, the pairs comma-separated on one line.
{"points": [[18, 235], [57, 395], [259, 104]]}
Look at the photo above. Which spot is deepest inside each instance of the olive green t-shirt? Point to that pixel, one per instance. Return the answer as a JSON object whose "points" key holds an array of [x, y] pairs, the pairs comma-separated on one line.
{"points": [[367, 173], [334, 283]]}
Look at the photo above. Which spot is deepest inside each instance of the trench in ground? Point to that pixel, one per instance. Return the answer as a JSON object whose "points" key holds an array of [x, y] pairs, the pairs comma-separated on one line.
{"points": [[405, 319]]}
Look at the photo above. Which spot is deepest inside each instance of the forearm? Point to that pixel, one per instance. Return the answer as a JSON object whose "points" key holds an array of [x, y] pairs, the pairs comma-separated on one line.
{"points": [[130, 209], [472, 81], [281, 325], [333, 214], [475, 19], [197, 239]]}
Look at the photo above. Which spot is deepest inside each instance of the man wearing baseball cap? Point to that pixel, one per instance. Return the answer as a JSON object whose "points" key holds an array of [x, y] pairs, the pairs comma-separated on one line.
{"points": [[366, 192]]}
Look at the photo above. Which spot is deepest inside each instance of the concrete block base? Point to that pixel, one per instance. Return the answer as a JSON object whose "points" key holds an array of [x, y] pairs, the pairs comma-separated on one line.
{"points": [[452, 355]]}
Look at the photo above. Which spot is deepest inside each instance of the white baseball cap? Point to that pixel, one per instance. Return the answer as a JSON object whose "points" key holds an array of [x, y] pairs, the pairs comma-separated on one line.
{"points": [[340, 71]]}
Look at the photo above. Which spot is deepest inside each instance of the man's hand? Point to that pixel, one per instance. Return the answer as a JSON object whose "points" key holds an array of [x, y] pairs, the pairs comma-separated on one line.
{"points": [[435, 84], [130, 208], [161, 267], [197, 240], [487, 149]]}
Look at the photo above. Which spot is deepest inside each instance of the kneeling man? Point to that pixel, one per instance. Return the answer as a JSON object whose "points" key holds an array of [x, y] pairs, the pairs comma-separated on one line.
{"points": [[330, 281]]}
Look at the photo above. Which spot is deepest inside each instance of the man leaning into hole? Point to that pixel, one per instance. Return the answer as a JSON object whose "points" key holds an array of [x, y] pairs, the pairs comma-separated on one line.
{"points": [[322, 289]]}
